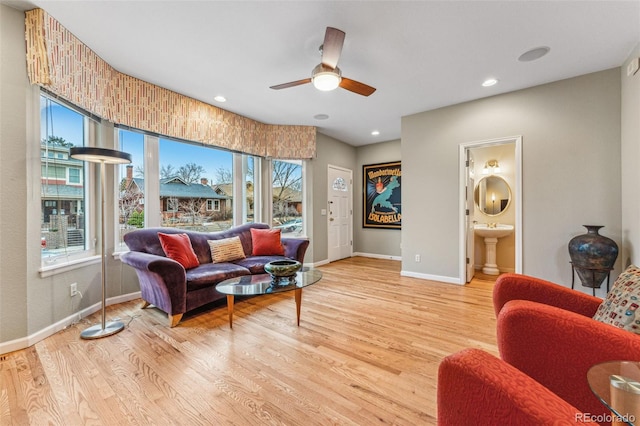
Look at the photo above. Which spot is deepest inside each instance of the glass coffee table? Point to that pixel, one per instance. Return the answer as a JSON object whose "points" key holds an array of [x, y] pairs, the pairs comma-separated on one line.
{"points": [[254, 285], [617, 385]]}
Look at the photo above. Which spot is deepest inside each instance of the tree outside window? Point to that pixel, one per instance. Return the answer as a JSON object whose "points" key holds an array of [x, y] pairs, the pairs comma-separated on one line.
{"points": [[287, 196]]}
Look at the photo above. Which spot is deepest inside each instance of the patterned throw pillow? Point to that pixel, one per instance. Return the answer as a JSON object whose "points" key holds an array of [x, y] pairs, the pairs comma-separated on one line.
{"points": [[620, 308], [178, 247], [226, 250]]}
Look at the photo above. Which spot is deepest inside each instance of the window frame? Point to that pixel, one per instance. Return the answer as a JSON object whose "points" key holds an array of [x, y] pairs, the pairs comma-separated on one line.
{"points": [[67, 260], [262, 182]]}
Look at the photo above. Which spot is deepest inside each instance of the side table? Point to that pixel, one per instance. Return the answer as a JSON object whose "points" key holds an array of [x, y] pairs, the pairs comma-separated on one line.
{"points": [[617, 386]]}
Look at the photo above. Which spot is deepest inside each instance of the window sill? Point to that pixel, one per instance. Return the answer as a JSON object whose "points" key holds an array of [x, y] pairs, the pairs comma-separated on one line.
{"points": [[58, 268], [116, 254]]}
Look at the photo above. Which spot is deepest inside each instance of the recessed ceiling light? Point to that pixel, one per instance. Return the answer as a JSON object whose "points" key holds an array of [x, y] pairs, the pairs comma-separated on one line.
{"points": [[220, 98], [375, 133], [533, 54], [489, 82], [321, 116]]}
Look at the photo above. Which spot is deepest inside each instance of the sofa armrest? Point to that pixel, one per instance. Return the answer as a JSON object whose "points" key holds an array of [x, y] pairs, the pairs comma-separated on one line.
{"points": [[523, 287], [295, 248], [475, 387], [163, 281], [557, 347]]}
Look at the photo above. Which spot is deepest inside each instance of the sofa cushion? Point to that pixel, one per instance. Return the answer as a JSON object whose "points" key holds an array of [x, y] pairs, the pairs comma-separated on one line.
{"points": [[620, 307], [226, 250], [209, 274], [255, 264], [178, 247], [266, 242]]}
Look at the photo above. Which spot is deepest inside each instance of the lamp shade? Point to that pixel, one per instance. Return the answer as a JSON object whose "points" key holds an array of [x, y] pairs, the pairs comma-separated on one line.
{"points": [[100, 155]]}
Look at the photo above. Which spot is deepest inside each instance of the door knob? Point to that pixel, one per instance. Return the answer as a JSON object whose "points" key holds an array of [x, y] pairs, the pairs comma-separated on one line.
{"points": [[331, 219]]}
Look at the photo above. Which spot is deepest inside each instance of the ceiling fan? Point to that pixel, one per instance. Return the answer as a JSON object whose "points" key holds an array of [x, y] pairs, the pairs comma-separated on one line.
{"points": [[326, 75]]}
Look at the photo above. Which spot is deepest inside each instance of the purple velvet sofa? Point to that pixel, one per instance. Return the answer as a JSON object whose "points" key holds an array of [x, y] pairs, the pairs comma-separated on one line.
{"points": [[165, 284]]}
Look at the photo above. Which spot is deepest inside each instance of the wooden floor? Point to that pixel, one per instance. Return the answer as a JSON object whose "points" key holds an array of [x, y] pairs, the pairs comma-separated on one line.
{"points": [[366, 352]]}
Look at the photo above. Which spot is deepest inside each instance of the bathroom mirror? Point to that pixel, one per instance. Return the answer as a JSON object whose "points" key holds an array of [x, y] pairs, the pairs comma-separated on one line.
{"points": [[492, 195]]}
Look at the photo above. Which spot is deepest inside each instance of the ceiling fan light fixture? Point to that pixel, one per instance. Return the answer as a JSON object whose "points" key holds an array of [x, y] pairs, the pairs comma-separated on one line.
{"points": [[325, 78]]}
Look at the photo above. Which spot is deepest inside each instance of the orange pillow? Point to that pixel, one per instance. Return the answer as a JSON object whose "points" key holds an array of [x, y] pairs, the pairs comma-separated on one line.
{"points": [[266, 242], [178, 247]]}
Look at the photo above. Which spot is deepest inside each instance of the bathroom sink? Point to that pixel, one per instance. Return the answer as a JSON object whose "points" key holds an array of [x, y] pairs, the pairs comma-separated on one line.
{"points": [[499, 231]]}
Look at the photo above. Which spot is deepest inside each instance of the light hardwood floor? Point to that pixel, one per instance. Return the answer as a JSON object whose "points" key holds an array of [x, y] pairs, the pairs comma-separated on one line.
{"points": [[366, 352]]}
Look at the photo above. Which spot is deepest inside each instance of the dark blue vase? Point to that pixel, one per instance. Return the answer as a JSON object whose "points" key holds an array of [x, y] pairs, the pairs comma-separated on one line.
{"points": [[592, 256]]}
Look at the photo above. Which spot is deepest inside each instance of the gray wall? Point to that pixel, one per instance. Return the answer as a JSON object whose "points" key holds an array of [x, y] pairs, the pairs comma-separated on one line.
{"points": [[571, 171], [30, 303], [630, 125], [370, 241], [13, 179], [333, 152]]}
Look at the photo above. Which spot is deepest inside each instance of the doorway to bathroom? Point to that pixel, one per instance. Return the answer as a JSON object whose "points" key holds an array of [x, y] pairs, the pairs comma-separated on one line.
{"points": [[491, 205]]}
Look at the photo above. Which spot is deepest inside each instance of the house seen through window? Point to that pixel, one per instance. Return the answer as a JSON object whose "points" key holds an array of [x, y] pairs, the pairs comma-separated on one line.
{"points": [[63, 228]]}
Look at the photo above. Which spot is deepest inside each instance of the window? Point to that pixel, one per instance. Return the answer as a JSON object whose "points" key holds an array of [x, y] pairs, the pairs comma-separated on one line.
{"points": [[251, 188], [63, 228], [287, 196], [74, 175], [340, 185], [172, 204], [131, 207], [196, 186]]}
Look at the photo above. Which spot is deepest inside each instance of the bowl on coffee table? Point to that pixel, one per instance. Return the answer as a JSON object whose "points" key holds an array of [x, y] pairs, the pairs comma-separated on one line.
{"points": [[283, 272]]}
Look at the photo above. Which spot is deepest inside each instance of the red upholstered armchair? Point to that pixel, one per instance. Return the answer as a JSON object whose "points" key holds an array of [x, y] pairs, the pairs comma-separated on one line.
{"points": [[547, 332], [476, 388]]}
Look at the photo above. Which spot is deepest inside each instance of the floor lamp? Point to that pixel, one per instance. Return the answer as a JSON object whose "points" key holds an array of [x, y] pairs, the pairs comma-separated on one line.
{"points": [[102, 156]]}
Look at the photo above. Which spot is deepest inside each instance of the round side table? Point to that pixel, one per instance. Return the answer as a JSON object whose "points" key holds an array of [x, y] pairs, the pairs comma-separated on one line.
{"points": [[617, 385]]}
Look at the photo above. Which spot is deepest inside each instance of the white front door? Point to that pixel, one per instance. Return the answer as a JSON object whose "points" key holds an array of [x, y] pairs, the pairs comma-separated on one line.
{"points": [[339, 213]]}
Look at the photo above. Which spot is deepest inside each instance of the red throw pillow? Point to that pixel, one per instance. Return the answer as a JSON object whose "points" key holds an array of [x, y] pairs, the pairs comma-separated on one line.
{"points": [[178, 247], [266, 242]]}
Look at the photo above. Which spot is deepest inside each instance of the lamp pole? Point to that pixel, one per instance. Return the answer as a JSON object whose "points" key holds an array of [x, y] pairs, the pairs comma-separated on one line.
{"points": [[102, 156]]}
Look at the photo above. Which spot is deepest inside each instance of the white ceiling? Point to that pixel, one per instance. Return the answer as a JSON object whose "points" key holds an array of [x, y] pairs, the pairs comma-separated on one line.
{"points": [[420, 55]]}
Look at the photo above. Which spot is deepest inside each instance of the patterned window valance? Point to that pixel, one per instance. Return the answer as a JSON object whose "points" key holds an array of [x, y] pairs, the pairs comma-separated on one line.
{"points": [[57, 60]]}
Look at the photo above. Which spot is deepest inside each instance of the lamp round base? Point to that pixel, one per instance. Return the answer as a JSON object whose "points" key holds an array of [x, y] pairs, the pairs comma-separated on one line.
{"points": [[97, 332]]}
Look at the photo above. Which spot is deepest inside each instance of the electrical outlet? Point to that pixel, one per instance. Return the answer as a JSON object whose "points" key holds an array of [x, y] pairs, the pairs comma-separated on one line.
{"points": [[73, 289], [417, 258]]}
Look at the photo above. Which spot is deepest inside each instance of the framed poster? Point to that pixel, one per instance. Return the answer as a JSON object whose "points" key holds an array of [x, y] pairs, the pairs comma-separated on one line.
{"points": [[382, 203]]}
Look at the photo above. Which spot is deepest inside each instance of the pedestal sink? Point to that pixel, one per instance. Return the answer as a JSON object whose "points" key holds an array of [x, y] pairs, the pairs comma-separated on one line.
{"points": [[491, 233]]}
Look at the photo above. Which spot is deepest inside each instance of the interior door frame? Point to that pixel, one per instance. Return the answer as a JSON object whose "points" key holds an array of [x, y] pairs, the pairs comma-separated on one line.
{"points": [[462, 244], [343, 169]]}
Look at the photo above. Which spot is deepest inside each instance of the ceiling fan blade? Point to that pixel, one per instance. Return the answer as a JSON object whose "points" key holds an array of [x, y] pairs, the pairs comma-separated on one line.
{"points": [[332, 46], [291, 84], [356, 87]]}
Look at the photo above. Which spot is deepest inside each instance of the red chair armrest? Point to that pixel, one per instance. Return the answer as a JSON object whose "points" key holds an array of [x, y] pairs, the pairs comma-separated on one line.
{"points": [[523, 287], [477, 388]]}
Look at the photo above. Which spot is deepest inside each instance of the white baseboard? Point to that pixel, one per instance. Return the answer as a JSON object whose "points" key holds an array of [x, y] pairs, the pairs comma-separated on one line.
{"points": [[25, 342], [448, 280], [377, 256]]}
